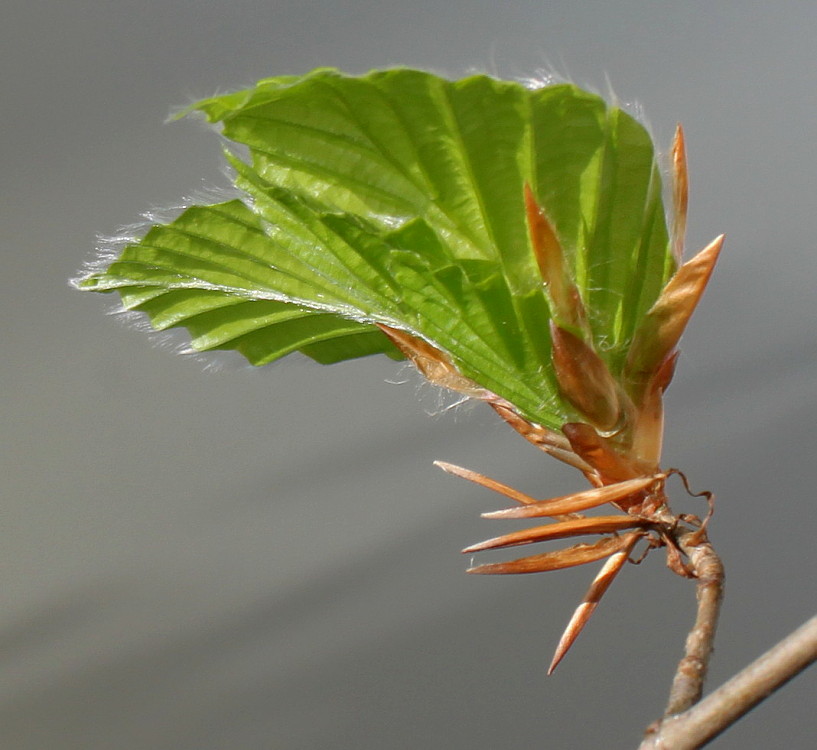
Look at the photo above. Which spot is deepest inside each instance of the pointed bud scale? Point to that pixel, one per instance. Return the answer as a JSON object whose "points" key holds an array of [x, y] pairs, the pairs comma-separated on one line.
{"points": [[680, 193], [578, 554], [546, 246], [535, 433], [661, 329], [559, 506], [597, 589], [584, 379], [567, 304], [648, 429], [550, 442], [486, 482], [560, 530]]}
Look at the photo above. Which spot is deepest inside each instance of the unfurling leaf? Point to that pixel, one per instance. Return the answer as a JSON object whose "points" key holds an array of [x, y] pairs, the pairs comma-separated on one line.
{"points": [[402, 200], [511, 242]]}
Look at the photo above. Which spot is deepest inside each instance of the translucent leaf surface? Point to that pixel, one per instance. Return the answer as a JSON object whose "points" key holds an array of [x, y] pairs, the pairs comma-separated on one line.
{"points": [[397, 198]]}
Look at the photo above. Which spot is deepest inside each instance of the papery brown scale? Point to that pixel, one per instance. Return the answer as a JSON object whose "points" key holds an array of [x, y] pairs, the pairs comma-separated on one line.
{"points": [[662, 327], [535, 433], [546, 246], [584, 379], [633, 489], [598, 588], [549, 254], [560, 530], [597, 451], [680, 193], [487, 482], [666, 371], [434, 365], [648, 430], [578, 554], [648, 427], [551, 442]]}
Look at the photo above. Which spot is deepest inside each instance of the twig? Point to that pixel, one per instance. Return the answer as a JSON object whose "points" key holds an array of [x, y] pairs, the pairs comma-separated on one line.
{"points": [[704, 721], [707, 568]]}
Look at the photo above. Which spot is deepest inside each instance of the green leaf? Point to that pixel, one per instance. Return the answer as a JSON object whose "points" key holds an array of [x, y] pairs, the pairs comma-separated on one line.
{"points": [[396, 198]]}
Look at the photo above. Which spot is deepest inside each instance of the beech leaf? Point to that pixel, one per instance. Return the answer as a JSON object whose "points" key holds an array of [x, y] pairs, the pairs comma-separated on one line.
{"points": [[397, 199]]}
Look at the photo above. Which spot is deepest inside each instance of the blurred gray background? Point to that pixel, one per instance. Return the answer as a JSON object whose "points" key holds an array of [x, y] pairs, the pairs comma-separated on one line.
{"points": [[201, 556]]}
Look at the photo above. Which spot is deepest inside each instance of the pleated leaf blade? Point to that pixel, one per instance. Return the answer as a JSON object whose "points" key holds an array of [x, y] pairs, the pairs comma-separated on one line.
{"points": [[396, 198]]}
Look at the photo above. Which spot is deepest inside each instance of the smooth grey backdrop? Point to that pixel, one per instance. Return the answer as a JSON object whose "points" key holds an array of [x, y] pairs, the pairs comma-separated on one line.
{"points": [[202, 558]]}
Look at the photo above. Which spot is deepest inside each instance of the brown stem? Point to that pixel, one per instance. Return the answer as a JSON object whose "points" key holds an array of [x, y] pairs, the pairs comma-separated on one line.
{"points": [[704, 721], [707, 568]]}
